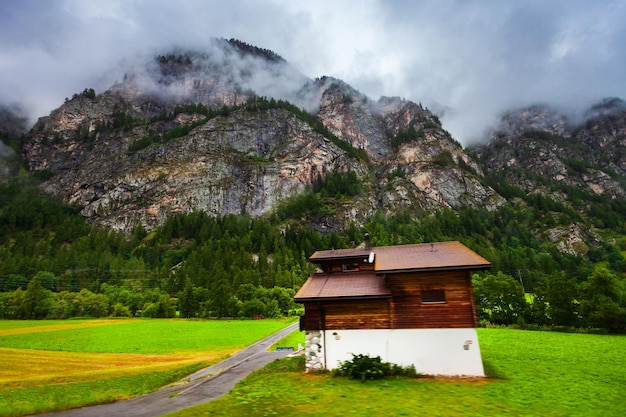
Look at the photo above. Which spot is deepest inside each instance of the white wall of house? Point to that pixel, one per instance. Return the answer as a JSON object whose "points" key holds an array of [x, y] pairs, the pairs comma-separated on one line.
{"points": [[452, 352]]}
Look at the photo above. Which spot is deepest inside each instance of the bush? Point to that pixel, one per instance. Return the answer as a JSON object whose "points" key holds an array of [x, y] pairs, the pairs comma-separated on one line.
{"points": [[120, 310], [164, 307], [444, 159], [364, 367], [251, 308], [140, 144]]}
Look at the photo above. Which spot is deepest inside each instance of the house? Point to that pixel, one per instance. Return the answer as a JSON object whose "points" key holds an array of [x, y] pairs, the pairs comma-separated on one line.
{"points": [[408, 304]]}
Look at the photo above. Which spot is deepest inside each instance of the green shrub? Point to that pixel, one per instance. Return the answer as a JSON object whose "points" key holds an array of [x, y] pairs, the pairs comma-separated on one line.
{"points": [[120, 310], [364, 367], [140, 144], [444, 159]]}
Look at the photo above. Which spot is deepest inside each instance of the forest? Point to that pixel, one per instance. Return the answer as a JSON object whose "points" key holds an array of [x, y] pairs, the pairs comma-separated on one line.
{"points": [[55, 265]]}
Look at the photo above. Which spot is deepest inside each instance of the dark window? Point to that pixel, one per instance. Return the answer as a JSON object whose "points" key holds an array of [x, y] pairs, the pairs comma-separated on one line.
{"points": [[433, 297], [350, 267]]}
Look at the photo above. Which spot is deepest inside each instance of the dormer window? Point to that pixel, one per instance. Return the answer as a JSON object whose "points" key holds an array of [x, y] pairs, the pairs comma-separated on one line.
{"points": [[350, 267]]}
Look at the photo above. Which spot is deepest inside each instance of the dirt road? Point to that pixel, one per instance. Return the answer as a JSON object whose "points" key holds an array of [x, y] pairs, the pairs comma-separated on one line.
{"points": [[200, 387]]}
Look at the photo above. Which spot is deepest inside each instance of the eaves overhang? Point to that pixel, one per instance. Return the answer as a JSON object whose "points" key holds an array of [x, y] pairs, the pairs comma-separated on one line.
{"points": [[481, 267], [342, 298]]}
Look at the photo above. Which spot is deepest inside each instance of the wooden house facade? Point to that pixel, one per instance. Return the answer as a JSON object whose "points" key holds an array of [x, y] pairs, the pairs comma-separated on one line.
{"points": [[409, 304]]}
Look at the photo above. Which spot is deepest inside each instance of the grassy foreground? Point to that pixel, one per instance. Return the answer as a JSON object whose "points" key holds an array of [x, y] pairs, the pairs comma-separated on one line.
{"points": [[54, 365], [531, 374]]}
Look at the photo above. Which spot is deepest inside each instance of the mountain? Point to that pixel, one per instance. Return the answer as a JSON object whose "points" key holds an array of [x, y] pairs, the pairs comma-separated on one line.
{"points": [[537, 147], [193, 130], [235, 129], [574, 170]]}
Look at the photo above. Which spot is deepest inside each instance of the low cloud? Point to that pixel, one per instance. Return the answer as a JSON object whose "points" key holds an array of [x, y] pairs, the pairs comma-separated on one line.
{"points": [[202, 75], [469, 60]]}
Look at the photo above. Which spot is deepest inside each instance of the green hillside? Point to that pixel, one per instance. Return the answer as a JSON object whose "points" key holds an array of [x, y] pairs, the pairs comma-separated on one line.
{"points": [[54, 265]]}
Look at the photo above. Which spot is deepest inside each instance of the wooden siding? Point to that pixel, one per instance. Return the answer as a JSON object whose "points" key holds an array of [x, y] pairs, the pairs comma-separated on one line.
{"points": [[409, 312], [312, 319], [347, 314], [405, 309]]}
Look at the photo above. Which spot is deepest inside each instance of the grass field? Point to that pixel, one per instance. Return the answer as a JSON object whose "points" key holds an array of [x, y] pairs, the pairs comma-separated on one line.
{"points": [[52, 365], [532, 374], [60, 364]]}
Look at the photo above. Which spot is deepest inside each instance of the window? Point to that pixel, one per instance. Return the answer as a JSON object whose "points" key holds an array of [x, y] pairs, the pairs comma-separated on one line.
{"points": [[349, 267], [433, 297]]}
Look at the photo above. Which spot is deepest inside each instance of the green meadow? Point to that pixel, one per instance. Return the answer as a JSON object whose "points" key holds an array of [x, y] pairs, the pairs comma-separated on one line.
{"points": [[54, 365], [531, 373], [139, 336]]}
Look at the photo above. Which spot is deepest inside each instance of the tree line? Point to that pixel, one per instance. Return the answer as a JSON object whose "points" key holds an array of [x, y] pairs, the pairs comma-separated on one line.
{"points": [[196, 265], [248, 301], [596, 303]]}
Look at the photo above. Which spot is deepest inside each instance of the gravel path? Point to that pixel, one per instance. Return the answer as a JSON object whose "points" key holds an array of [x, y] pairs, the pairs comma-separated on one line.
{"points": [[200, 387]]}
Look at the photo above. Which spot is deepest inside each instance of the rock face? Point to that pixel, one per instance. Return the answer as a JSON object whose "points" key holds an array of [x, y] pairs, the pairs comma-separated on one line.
{"points": [[243, 162], [145, 149], [537, 146], [569, 240], [235, 129], [431, 166], [353, 117]]}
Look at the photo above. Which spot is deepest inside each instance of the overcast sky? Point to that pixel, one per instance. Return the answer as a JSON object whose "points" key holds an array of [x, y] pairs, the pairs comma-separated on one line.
{"points": [[473, 58]]}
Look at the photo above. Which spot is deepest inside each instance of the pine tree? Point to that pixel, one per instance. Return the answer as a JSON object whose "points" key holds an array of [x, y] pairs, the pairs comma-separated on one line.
{"points": [[187, 303]]}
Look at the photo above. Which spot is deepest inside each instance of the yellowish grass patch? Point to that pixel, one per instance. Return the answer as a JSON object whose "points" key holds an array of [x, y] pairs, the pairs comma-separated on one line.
{"points": [[64, 325], [28, 368]]}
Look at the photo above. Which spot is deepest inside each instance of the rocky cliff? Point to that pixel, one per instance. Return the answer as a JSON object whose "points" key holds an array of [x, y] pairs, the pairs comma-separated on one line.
{"points": [[188, 132], [571, 168], [541, 150], [235, 129]]}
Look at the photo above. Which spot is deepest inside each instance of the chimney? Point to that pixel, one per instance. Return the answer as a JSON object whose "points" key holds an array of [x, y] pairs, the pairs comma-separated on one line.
{"points": [[366, 243]]}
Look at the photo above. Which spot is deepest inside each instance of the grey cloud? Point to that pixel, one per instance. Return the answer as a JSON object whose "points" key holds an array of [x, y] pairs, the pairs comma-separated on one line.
{"points": [[473, 58]]}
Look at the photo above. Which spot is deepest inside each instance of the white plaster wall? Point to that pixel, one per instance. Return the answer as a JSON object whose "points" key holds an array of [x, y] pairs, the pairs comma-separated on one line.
{"points": [[431, 351]]}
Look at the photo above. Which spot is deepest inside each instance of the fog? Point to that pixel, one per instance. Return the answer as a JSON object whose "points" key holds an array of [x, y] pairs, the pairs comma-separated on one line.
{"points": [[467, 60]]}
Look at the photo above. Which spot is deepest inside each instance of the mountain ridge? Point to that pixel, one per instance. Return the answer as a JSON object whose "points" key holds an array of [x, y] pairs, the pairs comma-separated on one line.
{"points": [[112, 153], [188, 131]]}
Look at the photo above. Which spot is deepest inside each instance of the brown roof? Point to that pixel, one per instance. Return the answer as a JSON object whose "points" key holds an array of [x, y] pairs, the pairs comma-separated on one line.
{"points": [[387, 259], [439, 255], [346, 284]]}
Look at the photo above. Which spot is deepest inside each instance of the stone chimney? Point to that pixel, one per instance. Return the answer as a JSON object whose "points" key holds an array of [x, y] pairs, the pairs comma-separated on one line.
{"points": [[366, 242]]}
